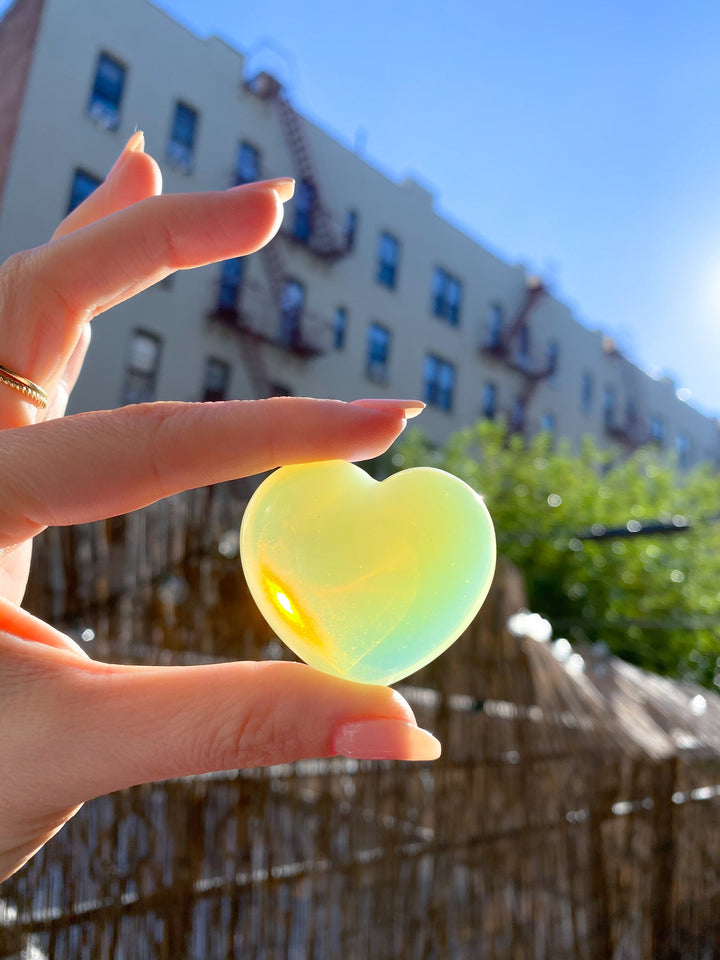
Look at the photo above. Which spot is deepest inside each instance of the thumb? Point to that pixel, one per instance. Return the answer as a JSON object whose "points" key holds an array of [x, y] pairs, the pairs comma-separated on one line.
{"points": [[92, 728]]}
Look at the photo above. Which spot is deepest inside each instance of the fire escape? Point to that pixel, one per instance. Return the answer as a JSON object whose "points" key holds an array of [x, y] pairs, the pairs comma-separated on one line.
{"points": [[631, 431], [504, 346], [271, 318]]}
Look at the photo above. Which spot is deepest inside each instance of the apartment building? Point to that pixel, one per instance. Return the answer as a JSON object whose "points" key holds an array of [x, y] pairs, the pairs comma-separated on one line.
{"points": [[366, 291]]}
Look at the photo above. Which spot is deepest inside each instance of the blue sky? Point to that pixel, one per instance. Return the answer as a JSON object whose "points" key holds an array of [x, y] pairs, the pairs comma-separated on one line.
{"points": [[582, 140]]}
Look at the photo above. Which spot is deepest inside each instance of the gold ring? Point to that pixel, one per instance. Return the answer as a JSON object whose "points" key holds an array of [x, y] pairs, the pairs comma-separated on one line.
{"points": [[31, 391]]}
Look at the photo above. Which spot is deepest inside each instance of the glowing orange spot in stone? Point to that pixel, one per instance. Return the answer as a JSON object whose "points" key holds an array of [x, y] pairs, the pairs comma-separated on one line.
{"points": [[283, 599]]}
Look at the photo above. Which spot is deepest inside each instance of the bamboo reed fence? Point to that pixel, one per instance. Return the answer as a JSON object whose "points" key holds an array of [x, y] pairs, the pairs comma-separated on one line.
{"points": [[572, 814]]}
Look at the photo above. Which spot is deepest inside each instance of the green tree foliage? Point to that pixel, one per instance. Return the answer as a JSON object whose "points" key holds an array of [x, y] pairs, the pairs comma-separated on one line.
{"points": [[653, 599]]}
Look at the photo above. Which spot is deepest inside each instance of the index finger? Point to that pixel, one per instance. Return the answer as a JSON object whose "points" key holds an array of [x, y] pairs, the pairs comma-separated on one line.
{"points": [[47, 293]]}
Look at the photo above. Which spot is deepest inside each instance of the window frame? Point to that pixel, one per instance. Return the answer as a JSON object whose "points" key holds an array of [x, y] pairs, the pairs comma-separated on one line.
{"points": [[178, 153], [387, 269], [340, 329], [100, 107], [211, 395], [227, 282], [251, 149], [150, 376], [436, 394], [351, 227], [443, 304], [496, 323], [291, 314], [379, 375], [489, 391], [305, 207], [73, 202]]}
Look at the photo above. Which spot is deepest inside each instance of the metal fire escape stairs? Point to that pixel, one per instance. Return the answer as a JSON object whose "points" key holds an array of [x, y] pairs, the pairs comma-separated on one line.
{"points": [[631, 430], [324, 241], [503, 349]]}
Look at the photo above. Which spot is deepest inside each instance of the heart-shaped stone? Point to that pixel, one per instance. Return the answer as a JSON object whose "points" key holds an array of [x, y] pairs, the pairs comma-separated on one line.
{"points": [[366, 580]]}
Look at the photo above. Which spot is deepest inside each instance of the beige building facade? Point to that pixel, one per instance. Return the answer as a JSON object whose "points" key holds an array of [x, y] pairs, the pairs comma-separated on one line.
{"points": [[367, 291]]}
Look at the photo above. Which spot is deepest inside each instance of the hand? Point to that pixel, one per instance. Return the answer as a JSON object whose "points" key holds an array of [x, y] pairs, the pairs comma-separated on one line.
{"points": [[73, 728]]}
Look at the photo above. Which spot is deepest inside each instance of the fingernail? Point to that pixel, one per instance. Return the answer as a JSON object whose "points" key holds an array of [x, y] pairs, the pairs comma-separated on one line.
{"points": [[409, 408], [136, 144], [284, 187], [385, 740]]}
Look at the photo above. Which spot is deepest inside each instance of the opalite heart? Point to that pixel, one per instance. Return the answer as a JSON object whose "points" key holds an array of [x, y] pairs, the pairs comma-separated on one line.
{"points": [[367, 580]]}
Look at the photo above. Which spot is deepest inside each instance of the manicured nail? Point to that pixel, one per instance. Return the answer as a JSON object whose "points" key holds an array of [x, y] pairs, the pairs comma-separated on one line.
{"points": [[284, 187], [385, 740], [409, 408], [136, 144]]}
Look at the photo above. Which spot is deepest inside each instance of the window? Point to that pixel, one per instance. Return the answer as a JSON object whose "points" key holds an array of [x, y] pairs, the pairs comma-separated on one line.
{"points": [[587, 388], [292, 302], [524, 341], [305, 200], [609, 407], [182, 137], [280, 390], [496, 326], [339, 328], [446, 297], [657, 430], [104, 103], [388, 257], [82, 186], [216, 379], [552, 352], [351, 222], [489, 401], [517, 415], [439, 382], [247, 168], [378, 353], [682, 448], [142, 368], [547, 423], [230, 282]]}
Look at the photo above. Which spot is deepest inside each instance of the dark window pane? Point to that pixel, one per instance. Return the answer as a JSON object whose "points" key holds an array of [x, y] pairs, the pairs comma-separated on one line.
{"points": [[378, 352], [657, 430], [82, 186], [551, 355], [339, 328], [388, 256], [104, 104], [439, 382], [350, 228], [230, 282], [496, 325], [216, 380], [182, 136], [292, 301], [547, 423], [517, 416], [306, 198], [142, 368], [489, 401], [248, 164], [446, 296]]}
